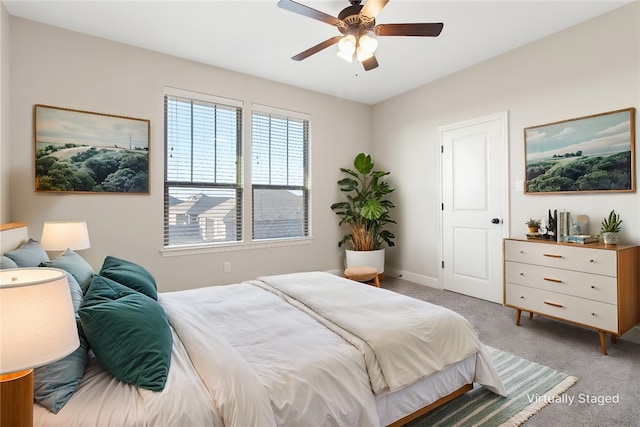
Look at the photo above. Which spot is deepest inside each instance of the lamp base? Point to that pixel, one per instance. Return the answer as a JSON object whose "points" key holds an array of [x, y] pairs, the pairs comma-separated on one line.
{"points": [[16, 399]]}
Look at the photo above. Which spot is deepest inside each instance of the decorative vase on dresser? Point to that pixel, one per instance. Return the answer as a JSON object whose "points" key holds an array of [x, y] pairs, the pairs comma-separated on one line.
{"points": [[590, 285]]}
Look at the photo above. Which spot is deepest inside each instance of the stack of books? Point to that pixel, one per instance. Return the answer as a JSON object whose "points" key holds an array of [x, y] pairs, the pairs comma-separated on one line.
{"points": [[583, 238]]}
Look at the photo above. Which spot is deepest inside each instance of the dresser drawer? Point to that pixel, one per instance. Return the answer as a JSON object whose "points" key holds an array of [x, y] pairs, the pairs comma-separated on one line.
{"points": [[596, 261], [584, 285], [596, 314]]}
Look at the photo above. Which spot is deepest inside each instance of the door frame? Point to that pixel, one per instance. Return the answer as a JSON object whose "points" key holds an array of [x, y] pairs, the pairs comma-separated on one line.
{"points": [[504, 120]]}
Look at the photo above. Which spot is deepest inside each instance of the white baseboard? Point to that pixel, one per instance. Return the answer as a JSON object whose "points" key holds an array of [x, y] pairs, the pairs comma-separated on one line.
{"points": [[632, 335], [431, 282]]}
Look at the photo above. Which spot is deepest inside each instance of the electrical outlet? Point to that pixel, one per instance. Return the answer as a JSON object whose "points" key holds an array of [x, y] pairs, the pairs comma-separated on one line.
{"points": [[227, 267]]}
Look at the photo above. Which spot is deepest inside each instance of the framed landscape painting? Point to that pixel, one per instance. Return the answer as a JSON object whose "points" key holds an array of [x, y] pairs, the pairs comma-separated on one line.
{"points": [[588, 154], [85, 152]]}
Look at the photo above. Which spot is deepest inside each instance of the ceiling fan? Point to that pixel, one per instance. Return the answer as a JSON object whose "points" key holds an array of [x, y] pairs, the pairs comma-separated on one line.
{"points": [[357, 24]]}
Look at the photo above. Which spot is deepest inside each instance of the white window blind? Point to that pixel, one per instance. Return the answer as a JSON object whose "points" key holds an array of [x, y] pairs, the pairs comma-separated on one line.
{"points": [[202, 190], [279, 174]]}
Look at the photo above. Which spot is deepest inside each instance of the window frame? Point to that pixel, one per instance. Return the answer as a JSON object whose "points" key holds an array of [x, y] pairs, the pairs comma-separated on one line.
{"points": [[236, 187], [244, 181], [280, 113]]}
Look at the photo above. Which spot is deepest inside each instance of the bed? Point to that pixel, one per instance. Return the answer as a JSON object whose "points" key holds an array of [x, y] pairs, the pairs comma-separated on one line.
{"points": [[299, 349]]}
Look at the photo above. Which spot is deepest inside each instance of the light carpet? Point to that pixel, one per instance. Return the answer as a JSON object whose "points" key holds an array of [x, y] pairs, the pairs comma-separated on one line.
{"points": [[530, 387]]}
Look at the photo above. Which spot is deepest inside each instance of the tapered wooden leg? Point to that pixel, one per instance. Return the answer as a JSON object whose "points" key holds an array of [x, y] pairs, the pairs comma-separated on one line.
{"points": [[518, 314], [603, 344], [16, 399], [614, 339], [530, 316]]}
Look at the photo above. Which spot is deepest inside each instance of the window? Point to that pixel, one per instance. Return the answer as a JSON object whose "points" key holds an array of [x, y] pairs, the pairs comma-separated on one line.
{"points": [[203, 184], [279, 174]]}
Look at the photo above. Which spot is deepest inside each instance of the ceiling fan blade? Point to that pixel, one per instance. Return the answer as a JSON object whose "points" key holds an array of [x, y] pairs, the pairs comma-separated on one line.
{"points": [[372, 7], [370, 63], [317, 48], [307, 11], [418, 30]]}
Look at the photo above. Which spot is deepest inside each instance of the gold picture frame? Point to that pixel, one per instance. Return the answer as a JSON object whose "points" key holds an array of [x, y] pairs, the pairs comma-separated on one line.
{"points": [[590, 154], [80, 151]]}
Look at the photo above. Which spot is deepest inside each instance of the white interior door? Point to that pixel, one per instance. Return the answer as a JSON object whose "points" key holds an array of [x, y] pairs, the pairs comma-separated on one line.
{"points": [[474, 205]]}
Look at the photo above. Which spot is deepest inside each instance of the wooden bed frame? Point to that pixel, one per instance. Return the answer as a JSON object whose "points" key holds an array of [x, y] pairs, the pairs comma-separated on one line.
{"points": [[426, 409], [13, 234]]}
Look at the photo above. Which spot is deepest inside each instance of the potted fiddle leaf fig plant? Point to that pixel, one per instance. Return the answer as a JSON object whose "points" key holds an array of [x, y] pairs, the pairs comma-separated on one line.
{"points": [[610, 227], [366, 213]]}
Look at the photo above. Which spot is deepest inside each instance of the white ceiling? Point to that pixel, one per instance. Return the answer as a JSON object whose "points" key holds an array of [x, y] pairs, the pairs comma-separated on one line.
{"points": [[259, 38]]}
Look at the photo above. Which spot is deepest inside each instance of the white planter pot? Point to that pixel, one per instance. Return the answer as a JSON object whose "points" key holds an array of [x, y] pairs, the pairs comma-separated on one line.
{"points": [[610, 238], [368, 258]]}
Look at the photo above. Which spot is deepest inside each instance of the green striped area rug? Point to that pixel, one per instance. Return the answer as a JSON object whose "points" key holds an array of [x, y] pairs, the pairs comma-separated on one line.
{"points": [[530, 387]]}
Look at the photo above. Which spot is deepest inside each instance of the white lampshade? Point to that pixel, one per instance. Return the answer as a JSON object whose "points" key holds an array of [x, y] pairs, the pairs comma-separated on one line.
{"points": [[37, 322], [59, 236]]}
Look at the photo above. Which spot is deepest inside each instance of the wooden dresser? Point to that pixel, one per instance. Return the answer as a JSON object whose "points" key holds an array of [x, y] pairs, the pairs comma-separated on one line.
{"points": [[591, 285]]}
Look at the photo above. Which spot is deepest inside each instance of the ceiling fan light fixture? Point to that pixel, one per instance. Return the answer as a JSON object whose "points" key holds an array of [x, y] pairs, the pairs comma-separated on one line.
{"points": [[347, 47], [363, 56], [368, 43], [367, 46], [357, 24], [346, 56]]}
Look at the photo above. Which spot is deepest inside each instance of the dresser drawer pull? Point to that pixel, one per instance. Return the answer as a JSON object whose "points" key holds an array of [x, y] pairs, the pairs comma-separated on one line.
{"points": [[552, 255], [549, 279], [553, 304]]}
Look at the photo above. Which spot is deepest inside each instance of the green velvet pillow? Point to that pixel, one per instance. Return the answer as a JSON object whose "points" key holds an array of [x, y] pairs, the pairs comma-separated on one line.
{"points": [[129, 274], [30, 254], [128, 332], [73, 263]]}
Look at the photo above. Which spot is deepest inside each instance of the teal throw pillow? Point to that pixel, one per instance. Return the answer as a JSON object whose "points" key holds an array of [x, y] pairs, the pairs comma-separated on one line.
{"points": [[30, 254], [129, 274], [73, 263], [128, 332]]}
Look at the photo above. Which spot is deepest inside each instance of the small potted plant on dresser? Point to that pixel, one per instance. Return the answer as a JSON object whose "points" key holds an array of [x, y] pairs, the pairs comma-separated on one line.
{"points": [[533, 224], [610, 228]]}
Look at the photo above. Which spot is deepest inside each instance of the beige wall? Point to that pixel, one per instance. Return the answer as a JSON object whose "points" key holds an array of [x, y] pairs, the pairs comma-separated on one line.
{"points": [[590, 68], [62, 68], [4, 115]]}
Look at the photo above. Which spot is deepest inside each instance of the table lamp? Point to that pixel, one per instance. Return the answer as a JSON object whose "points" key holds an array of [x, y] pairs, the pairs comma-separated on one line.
{"points": [[63, 235], [37, 327]]}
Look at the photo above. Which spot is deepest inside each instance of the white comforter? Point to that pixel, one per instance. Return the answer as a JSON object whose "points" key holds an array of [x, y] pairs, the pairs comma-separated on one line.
{"points": [[253, 354], [403, 339], [293, 374]]}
